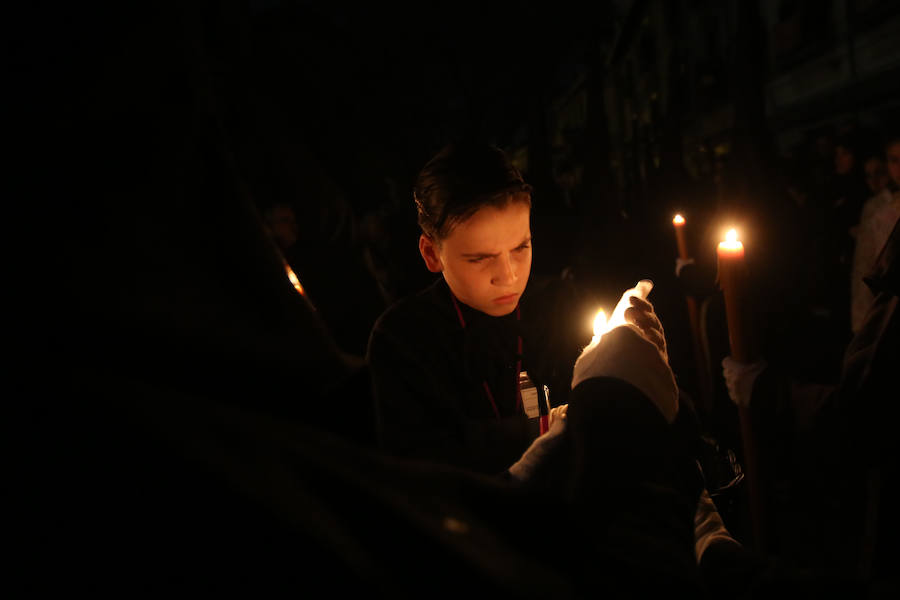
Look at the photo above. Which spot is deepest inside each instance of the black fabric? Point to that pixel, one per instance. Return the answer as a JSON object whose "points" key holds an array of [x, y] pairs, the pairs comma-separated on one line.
{"points": [[645, 462], [428, 373]]}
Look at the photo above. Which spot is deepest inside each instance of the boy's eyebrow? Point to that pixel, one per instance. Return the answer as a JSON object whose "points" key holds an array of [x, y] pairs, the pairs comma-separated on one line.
{"points": [[527, 240]]}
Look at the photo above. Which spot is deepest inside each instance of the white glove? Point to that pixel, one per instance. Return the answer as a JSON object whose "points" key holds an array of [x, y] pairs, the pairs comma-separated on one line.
{"points": [[634, 352], [740, 377], [680, 263], [709, 529], [543, 445], [641, 313], [558, 412]]}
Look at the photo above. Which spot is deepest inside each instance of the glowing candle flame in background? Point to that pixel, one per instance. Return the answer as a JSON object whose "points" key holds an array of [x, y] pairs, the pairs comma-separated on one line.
{"points": [[294, 280], [731, 241], [678, 222]]}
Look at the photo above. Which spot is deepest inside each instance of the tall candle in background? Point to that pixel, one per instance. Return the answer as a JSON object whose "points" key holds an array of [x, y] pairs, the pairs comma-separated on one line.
{"points": [[732, 281], [678, 222]]}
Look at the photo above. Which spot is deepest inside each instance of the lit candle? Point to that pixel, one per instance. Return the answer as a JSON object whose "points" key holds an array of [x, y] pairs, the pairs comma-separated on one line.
{"points": [[731, 247], [679, 222], [743, 349], [602, 324], [295, 281], [731, 281]]}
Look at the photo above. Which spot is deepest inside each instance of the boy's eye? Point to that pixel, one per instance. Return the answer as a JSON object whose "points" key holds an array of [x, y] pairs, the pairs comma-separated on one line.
{"points": [[477, 260], [523, 247]]}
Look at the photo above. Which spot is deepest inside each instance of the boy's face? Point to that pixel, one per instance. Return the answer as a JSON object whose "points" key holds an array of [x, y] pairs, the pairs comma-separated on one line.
{"points": [[893, 162], [486, 259]]}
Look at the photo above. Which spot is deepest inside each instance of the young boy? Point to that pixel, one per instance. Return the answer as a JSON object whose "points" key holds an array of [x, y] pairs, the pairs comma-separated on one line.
{"points": [[446, 362]]}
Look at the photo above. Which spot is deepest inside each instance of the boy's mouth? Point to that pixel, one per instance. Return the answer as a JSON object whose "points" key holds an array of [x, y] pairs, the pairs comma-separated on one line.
{"points": [[508, 299]]}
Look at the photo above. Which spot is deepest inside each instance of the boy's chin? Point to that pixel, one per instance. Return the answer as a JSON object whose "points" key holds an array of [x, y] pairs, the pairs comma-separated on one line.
{"points": [[498, 310]]}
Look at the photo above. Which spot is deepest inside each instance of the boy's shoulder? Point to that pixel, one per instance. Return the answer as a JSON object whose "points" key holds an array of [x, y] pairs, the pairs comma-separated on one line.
{"points": [[414, 313]]}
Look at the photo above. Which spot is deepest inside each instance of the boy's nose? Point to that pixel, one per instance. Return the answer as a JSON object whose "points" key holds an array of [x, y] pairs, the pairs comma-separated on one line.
{"points": [[505, 274]]}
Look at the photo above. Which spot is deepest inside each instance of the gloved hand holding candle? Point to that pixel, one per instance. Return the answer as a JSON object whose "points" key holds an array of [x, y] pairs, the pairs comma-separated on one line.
{"points": [[631, 346], [633, 308]]}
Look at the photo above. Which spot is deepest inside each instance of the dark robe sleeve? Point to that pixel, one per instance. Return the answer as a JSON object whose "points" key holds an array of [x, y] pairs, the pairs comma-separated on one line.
{"points": [[405, 419], [632, 478]]}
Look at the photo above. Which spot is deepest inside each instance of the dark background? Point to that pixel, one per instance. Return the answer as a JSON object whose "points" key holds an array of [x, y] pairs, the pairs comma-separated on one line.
{"points": [[618, 113]]}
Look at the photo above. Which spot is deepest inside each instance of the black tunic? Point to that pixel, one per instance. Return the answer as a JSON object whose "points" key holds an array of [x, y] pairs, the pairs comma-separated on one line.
{"points": [[429, 373]]}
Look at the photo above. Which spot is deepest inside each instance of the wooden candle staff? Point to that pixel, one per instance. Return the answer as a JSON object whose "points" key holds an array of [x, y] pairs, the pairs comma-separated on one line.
{"points": [[744, 348]]}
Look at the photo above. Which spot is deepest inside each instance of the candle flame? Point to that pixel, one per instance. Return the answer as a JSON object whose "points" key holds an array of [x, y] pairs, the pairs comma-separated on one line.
{"points": [[731, 243], [604, 324], [295, 281], [678, 220], [600, 323]]}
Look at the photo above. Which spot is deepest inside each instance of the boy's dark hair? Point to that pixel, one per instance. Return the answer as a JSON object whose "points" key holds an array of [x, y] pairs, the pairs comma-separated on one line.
{"points": [[462, 178]]}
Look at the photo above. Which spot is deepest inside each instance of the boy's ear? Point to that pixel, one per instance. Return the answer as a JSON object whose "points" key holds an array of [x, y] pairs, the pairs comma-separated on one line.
{"points": [[429, 251]]}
